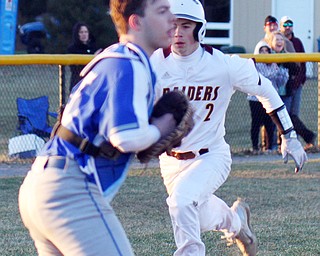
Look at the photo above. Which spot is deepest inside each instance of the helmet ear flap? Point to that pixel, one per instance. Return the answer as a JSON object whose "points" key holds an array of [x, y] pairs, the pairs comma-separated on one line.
{"points": [[191, 10], [196, 31]]}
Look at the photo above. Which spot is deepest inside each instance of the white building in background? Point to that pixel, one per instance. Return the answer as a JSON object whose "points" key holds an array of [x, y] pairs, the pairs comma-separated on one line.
{"points": [[240, 22]]}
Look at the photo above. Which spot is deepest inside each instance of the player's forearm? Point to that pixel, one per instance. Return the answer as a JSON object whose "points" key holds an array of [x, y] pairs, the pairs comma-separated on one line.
{"points": [[282, 120], [135, 140]]}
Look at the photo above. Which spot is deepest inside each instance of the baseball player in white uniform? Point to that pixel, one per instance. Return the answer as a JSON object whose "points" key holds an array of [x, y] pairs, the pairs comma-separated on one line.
{"points": [[202, 163], [64, 200]]}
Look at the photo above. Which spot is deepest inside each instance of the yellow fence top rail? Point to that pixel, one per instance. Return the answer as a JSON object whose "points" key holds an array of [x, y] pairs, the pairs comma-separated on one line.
{"points": [[78, 59], [284, 57], [49, 59]]}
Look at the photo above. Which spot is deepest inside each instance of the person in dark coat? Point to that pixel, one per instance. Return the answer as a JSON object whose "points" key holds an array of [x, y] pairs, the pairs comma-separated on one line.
{"points": [[286, 28], [82, 43]]}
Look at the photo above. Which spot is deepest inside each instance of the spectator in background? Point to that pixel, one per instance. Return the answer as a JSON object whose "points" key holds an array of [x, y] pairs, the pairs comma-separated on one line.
{"points": [[271, 25], [82, 43], [278, 45], [286, 28], [259, 116], [285, 90]]}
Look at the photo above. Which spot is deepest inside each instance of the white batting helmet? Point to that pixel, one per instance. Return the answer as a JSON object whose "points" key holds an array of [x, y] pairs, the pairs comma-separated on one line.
{"points": [[190, 10]]}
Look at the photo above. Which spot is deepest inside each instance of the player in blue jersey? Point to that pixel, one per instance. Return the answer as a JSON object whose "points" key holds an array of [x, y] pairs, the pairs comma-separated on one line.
{"points": [[65, 198]]}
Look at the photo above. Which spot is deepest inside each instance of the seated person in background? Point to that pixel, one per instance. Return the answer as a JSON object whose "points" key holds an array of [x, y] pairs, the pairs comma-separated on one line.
{"points": [[259, 117], [82, 43]]}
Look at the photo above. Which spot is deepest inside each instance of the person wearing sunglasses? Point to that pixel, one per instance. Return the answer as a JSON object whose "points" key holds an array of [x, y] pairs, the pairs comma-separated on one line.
{"points": [[286, 28], [271, 24]]}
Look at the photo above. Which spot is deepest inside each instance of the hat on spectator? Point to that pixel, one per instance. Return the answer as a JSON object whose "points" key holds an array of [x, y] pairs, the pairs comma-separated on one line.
{"points": [[286, 19], [270, 19], [259, 45]]}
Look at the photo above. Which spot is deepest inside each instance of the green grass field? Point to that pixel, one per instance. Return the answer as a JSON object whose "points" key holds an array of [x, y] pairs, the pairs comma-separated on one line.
{"points": [[285, 211]]}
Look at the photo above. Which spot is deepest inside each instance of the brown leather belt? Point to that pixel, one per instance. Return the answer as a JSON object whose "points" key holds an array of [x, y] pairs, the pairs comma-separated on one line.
{"points": [[187, 155], [105, 149]]}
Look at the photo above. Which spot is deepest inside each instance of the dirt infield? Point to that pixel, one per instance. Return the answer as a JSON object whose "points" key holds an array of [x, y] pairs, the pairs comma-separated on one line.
{"points": [[18, 169]]}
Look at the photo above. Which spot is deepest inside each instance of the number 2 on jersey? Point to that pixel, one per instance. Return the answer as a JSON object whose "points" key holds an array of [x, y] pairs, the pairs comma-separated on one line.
{"points": [[210, 107]]}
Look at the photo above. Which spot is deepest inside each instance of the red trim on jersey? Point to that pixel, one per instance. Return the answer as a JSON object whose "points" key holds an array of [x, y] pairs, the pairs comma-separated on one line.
{"points": [[166, 52], [207, 48], [254, 61]]}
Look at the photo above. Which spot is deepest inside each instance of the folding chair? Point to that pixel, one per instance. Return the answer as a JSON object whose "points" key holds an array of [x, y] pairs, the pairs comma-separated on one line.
{"points": [[33, 116], [33, 127]]}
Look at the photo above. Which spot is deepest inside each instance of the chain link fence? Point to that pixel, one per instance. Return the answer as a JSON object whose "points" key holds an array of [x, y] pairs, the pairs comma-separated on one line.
{"points": [[35, 76]]}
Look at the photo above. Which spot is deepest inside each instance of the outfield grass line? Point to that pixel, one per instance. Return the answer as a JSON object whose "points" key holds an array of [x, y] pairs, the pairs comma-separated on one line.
{"points": [[18, 170]]}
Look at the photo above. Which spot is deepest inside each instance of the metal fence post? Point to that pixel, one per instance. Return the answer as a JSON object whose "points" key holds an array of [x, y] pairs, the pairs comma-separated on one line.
{"points": [[318, 104], [62, 85]]}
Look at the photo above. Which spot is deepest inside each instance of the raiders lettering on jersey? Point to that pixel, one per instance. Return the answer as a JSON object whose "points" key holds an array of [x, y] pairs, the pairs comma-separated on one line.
{"points": [[197, 93]]}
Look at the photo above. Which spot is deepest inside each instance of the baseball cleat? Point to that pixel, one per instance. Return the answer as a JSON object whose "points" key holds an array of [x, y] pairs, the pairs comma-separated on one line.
{"points": [[246, 239]]}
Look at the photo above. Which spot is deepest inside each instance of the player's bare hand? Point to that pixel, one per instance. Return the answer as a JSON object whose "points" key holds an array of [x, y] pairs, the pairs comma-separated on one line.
{"points": [[291, 146], [165, 123]]}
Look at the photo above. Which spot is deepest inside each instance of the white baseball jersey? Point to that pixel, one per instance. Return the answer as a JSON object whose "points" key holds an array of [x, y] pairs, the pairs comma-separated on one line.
{"points": [[209, 78]]}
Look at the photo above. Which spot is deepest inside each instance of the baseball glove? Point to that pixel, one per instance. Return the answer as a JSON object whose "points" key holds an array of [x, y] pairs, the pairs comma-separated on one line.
{"points": [[177, 103]]}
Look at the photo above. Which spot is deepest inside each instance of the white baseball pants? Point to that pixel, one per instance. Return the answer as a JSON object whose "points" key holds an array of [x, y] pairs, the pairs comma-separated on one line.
{"points": [[192, 206]]}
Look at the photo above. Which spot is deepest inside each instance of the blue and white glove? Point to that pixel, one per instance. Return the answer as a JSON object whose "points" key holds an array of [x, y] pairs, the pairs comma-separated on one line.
{"points": [[291, 146]]}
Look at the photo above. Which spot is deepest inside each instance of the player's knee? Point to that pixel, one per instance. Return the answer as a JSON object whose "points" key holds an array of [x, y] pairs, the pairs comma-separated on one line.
{"points": [[179, 206]]}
